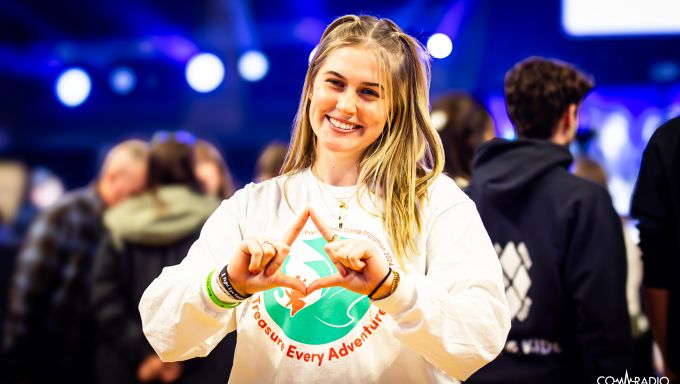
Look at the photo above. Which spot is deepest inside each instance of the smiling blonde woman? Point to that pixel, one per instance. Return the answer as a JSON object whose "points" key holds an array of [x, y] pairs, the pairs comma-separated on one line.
{"points": [[362, 262]]}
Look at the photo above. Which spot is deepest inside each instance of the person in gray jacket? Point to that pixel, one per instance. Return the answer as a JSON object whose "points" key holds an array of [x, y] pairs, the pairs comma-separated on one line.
{"points": [[146, 234]]}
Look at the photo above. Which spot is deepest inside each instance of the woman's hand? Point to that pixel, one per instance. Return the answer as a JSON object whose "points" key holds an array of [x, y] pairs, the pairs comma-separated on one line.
{"points": [[361, 267], [255, 265]]}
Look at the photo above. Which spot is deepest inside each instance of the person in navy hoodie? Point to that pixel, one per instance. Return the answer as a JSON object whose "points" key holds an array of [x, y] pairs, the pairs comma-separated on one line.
{"points": [[558, 238]]}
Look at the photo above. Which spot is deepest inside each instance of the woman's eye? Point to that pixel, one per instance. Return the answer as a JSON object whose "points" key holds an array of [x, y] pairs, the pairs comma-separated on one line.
{"points": [[334, 82], [370, 92]]}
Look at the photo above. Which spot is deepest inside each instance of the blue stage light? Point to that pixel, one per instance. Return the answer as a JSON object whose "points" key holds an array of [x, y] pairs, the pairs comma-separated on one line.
{"points": [[253, 66], [204, 72], [72, 87], [122, 80]]}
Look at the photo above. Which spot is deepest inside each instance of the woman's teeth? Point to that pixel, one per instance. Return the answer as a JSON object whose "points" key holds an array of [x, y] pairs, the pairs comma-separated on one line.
{"points": [[341, 125]]}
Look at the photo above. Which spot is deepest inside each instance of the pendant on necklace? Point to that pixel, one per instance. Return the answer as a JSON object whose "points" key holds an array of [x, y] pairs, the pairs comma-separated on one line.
{"points": [[343, 205]]}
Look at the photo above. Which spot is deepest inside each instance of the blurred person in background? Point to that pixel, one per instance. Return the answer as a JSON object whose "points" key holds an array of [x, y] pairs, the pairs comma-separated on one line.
{"points": [[145, 234], [13, 184], [590, 169], [14, 180], [558, 238], [656, 204], [49, 332], [270, 161], [463, 124], [212, 171]]}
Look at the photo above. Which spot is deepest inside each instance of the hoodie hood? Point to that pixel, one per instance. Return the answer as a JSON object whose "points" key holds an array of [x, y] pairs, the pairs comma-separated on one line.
{"points": [[169, 215], [502, 169]]}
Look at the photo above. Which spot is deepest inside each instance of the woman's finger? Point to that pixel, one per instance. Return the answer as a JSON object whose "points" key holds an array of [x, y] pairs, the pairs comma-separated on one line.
{"points": [[282, 280], [326, 282], [356, 255], [269, 251], [282, 250], [251, 247], [327, 233], [331, 251], [343, 252], [297, 226]]}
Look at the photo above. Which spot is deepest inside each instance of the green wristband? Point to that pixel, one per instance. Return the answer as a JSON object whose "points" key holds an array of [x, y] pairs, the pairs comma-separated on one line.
{"points": [[214, 298]]}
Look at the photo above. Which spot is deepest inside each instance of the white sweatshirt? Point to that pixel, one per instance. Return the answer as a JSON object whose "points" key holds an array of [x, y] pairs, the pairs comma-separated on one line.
{"points": [[447, 318]]}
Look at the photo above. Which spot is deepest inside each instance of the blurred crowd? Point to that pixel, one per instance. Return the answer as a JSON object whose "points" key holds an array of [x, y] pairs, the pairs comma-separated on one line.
{"points": [[74, 265]]}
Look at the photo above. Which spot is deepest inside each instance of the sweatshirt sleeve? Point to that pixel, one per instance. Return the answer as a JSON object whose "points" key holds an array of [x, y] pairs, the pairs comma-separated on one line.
{"points": [[178, 317], [595, 275], [455, 315]]}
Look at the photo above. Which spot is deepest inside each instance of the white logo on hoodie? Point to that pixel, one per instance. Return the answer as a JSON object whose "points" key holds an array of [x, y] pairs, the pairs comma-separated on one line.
{"points": [[516, 263]]}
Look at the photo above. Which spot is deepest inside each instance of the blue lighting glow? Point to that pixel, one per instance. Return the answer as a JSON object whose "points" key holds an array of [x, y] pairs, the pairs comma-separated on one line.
{"points": [[73, 86], [122, 80], [253, 66], [204, 72]]}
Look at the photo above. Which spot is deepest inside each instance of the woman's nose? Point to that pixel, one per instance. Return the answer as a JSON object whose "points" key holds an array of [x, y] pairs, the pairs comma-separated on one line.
{"points": [[347, 103]]}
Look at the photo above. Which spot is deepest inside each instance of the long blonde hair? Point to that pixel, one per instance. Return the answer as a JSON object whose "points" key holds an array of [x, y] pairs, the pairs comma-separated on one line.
{"points": [[407, 157]]}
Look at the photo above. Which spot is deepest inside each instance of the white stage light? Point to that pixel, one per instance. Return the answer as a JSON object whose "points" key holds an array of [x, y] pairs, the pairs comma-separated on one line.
{"points": [[204, 72], [73, 86], [439, 45], [253, 66]]}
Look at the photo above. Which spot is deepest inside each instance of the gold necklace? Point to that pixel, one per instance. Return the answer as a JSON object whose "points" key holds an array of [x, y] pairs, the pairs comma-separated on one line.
{"points": [[342, 204]]}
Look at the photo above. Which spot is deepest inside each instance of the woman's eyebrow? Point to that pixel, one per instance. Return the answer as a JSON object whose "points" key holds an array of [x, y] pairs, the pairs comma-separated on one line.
{"points": [[365, 83]]}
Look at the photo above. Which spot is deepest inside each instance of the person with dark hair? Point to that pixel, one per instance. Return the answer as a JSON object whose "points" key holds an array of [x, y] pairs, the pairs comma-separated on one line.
{"points": [[49, 330], [212, 170], [656, 204], [392, 280], [145, 234], [270, 161], [463, 124], [558, 238]]}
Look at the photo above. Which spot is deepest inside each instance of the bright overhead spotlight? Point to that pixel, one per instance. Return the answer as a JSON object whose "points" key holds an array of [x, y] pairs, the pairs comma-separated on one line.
{"points": [[204, 72], [122, 80], [439, 45], [253, 66], [72, 87]]}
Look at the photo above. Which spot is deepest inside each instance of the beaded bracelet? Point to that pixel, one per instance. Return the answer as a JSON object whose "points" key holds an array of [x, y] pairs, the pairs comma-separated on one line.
{"points": [[389, 272], [224, 279], [395, 282]]}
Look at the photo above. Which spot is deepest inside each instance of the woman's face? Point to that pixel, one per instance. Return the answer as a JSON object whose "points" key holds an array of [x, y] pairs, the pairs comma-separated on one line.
{"points": [[347, 108]]}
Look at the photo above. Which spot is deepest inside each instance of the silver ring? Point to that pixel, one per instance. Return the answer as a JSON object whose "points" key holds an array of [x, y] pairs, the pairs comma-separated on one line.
{"points": [[270, 244]]}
